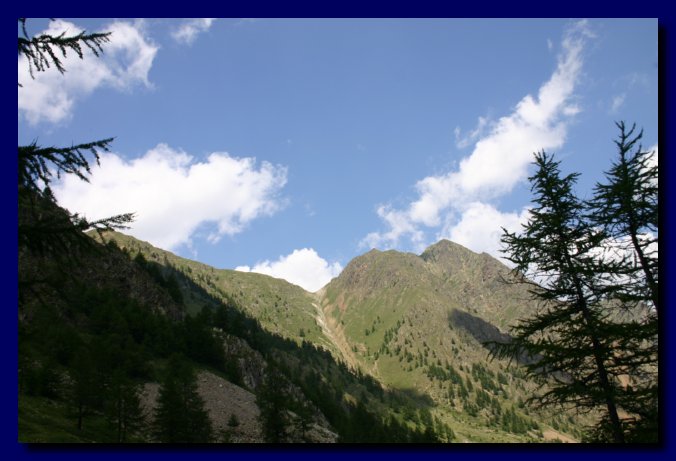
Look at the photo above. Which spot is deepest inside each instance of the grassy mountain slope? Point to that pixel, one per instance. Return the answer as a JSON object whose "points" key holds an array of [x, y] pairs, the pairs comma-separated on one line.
{"points": [[389, 350], [281, 308], [115, 318], [418, 322], [415, 323]]}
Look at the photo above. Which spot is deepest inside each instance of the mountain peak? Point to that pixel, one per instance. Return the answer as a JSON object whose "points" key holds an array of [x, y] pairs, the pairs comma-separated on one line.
{"points": [[445, 249]]}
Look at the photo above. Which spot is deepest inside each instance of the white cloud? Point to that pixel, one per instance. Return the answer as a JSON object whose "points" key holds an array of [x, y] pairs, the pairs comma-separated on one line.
{"points": [[622, 248], [480, 227], [126, 61], [303, 267], [637, 79], [399, 223], [188, 31], [617, 102], [173, 194], [462, 142], [653, 160], [500, 158]]}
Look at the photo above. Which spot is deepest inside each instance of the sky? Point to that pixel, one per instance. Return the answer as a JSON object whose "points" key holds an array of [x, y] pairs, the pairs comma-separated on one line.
{"points": [[289, 147]]}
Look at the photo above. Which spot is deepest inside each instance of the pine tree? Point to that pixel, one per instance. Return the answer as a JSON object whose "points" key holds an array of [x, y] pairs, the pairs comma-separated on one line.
{"points": [[181, 416], [568, 340]]}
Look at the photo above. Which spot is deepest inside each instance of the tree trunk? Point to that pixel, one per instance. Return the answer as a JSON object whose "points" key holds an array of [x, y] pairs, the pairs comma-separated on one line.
{"points": [[646, 270]]}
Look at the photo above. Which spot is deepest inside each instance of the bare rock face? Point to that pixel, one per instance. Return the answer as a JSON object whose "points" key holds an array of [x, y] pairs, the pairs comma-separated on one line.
{"points": [[224, 399], [251, 363], [253, 369]]}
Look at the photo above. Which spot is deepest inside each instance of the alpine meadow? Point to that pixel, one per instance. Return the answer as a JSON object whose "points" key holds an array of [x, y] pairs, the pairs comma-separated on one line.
{"points": [[464, 214]]}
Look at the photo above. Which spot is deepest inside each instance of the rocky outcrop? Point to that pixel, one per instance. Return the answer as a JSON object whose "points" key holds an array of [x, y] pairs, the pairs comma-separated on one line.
{"points": [[251, 364], [253, 369]]}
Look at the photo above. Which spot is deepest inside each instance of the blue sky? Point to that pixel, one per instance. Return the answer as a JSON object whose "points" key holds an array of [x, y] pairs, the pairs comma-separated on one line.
{"points": [[291, 146]]}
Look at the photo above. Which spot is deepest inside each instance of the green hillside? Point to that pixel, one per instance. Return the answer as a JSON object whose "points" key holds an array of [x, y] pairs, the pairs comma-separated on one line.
{"points": [[412, 323], [103, 335], [280, 307], [391, 350], [419, 322]]}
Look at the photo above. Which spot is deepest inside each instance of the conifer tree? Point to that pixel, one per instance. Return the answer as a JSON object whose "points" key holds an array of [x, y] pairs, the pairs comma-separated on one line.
{"points": [[233, 421], [272, 399], [181, 416], [625, 207], [569, 339], [596, 267], [304, 413], [124, 407], [83, 388], [42, 227]]}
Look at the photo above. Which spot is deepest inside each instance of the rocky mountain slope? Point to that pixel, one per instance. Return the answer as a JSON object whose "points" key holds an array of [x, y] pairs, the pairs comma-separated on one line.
{"points": [[411, 322], [392, 349]]}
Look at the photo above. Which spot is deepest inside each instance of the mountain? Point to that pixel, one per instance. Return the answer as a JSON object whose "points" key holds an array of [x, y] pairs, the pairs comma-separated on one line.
{"points": [[390, 350], [420, 321], [281, 307], [399, 318]]}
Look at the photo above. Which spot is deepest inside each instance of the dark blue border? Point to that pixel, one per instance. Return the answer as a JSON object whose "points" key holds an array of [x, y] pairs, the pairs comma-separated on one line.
{"points": [[528, 8]]}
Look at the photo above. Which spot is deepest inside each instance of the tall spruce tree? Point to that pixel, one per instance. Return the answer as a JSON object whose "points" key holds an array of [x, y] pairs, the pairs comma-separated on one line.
{"points": [[568, 339]]}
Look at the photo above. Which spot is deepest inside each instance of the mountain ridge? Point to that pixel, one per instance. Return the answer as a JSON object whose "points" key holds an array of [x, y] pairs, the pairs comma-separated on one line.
{"points": [[396, 335]]}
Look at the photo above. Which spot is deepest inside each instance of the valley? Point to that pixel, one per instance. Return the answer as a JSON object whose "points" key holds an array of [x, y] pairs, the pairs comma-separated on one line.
{"points": [[397, 338]]}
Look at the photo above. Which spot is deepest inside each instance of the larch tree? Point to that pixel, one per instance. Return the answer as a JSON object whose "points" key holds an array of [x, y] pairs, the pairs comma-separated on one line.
{"points": [[273, 399], [593, 267], [181, 416], [567, 338], [43, 227], [625, 208], [124, 408]]}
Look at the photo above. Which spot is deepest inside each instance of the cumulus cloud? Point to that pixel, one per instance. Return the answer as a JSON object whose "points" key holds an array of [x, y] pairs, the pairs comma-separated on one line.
{"points": [[124, 63], [480, 227], [622, 248], [399, 223], [173, 194], [303, 267], [188, 31], [500, 157]]}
